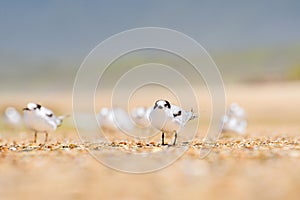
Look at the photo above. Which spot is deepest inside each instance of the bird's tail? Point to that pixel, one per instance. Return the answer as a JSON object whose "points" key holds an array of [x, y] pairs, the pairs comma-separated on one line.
{"points": [[193, 115], [61, 118]]}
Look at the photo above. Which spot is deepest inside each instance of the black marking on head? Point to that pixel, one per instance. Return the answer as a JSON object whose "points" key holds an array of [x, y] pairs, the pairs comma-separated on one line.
{"points": [[49, 115], [38, 106], [167, 104], [155, 105], [177, 114]]}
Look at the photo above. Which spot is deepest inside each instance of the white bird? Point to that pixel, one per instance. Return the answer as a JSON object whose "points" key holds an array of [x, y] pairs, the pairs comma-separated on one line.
{"points": [[169, 118], [41, 119], [106, 119], [236, 110], [235, 119], [114, 119], [12, 116], [140, 116]]}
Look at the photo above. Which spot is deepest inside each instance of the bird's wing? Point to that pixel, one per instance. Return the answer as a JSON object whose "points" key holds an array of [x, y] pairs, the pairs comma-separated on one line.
{"points": [[178, 114], [46, 112], [175, 110], [184, 116]]}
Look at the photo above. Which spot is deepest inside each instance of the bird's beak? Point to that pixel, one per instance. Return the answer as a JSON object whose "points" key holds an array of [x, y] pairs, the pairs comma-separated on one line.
{"points": [[25, 109], [160, 107]]}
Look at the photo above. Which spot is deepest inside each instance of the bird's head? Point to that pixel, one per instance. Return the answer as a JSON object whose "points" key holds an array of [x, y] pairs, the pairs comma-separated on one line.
{"points": [[32, 106], [162, 104]]}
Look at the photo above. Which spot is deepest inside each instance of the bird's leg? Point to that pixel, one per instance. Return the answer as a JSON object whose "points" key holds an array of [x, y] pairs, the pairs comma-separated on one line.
{"points": [[46, 137], [175, 138], [35, 136], [163, 139]]}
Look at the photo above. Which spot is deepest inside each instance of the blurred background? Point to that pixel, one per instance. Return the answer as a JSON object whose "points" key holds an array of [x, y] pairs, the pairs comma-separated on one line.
{"points": [[42, 43], [255, 44]]}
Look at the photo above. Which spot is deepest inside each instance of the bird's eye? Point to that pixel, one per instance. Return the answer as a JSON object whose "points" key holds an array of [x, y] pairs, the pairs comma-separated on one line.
{"points": [[166, 105]]}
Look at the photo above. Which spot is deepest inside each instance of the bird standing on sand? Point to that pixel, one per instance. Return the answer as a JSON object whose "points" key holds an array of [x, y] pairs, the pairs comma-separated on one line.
{"points": [[41, 119], [169, 118]]}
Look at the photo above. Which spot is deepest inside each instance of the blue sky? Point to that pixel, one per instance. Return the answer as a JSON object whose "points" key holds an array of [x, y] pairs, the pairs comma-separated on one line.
{"points": [[53, 33], [74, 27]]}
